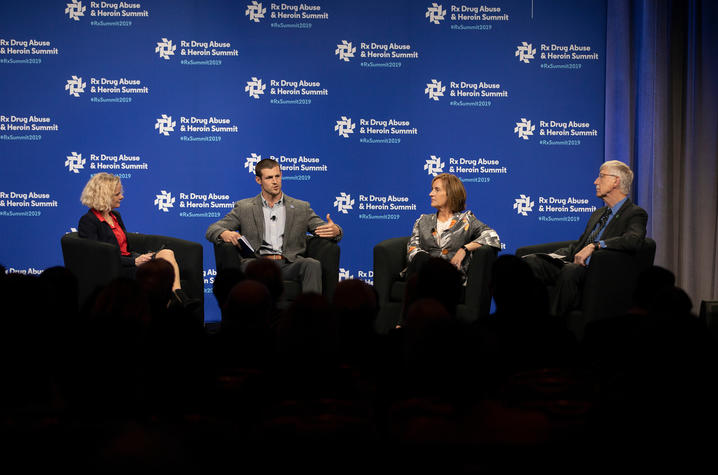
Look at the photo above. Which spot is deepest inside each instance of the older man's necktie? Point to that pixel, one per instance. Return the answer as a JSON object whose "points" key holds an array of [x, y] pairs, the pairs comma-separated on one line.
{"points": [[599, 226]]}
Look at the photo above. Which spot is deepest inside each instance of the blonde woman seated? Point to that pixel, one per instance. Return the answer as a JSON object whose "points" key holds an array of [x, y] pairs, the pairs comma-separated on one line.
{"points": [[103, 194], [451, 233]]}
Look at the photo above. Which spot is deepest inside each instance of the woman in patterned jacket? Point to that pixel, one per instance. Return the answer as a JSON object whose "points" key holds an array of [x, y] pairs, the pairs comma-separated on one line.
{"points": [[451, 233]]}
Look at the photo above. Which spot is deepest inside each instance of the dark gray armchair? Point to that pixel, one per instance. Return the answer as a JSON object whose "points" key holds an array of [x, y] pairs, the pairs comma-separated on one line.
{"points": [[96, 264], [390, 259], [325, 251], [610, 280]]}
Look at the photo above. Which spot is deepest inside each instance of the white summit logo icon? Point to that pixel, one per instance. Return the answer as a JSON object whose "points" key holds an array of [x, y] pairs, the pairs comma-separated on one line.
{"points": [[165, 125], [164, 201], [344, 127], [251, 162], [434, 166], [525, 51], [344, 202], [165, 48], [75, 10], [435, 13], [524, 129], [255, 87], [75, 86], [75, 162], [345, 50], [523, 205], [434, 89], [255, 11], [345, 274]]}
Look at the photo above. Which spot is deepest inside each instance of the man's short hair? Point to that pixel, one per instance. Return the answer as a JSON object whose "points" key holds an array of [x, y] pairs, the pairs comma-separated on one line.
{"points": [[624, 173], [264, 164], [455, 191]]}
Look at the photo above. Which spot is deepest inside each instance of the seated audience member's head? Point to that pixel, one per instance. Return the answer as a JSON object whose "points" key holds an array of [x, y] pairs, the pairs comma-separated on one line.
{"points": [[223, 283], [355, 310], [673, 302], [515, 289], [120, 312], [307, 331], [651, 284], [155, 278], [355, 303], [431, 344], [267, 272], [63, 285], [440, 280], [247, 308]]}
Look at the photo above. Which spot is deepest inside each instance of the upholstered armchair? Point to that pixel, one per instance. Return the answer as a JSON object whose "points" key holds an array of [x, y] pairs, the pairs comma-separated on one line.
{"points": [[325, 251], [390, 259], [96, 263], [610, 280]]}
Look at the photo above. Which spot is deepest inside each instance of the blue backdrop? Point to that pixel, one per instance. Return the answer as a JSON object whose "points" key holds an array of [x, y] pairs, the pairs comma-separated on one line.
{"points": [[360, 101]]}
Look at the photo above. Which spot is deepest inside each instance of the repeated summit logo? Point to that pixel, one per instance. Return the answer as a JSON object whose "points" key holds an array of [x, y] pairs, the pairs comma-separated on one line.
{"points": [[525, 52], [435, 13], [251, 162], [74, 162], [345, 274], [75, 10], [165, 125], [75, 86], [255, 87], [344, 127], [165, 48], [345, 50], [164, 201], [434, 89], [523, 205], [255, 11], [524, 129], [344, 202], [434, 166]]}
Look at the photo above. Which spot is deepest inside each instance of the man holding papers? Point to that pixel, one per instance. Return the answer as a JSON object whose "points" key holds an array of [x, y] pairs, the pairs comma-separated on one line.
{"points": [[273, 225]]}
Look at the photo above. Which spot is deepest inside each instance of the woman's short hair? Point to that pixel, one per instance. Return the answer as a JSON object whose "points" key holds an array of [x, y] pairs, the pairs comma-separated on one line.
{"points": [[99, 191], [455, 191]]}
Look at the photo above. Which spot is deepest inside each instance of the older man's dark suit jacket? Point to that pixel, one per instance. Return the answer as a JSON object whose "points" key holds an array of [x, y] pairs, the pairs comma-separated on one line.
{"points": [[247, 218], [625, 232]]}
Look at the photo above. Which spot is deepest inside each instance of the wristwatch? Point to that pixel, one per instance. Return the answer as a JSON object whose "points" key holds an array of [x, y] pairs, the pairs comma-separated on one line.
{"points": [[466, 249], [596, 246]]}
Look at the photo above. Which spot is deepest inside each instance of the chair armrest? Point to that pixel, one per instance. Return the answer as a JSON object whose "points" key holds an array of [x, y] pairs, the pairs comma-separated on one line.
{"points": [[94, 263], [226, 256], [327, 253], [87, 256], [544, 248], [389, 261]]}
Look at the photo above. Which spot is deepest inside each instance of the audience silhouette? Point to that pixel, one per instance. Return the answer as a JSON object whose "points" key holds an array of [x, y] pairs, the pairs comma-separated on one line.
{"points": [[134, 379]]}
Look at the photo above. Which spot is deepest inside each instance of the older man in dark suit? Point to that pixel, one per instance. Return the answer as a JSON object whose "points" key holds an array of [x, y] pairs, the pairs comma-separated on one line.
{"points": [[275, 225], [620, 225]]}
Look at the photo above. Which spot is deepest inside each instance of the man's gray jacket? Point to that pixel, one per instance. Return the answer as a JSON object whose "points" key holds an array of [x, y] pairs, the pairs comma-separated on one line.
{"points": [[247, 218]]}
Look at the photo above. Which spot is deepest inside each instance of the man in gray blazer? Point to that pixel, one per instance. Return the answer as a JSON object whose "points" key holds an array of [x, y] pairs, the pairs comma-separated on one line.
{"points": [[275, 225]]}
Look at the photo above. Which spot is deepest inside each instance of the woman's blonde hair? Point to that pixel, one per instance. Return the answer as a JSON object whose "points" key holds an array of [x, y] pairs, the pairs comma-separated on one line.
{"points": [[455, 191], [99, 191]]}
